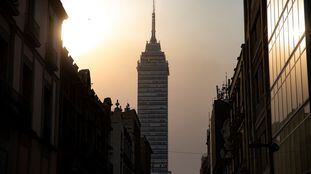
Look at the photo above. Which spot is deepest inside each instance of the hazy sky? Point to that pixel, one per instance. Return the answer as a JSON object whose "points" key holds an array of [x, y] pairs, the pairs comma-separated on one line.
{"points": [[201, 39]]}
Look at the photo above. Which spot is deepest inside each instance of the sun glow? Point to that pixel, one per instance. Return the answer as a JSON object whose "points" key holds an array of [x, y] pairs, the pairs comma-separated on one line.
{"points": [[90, 22]]}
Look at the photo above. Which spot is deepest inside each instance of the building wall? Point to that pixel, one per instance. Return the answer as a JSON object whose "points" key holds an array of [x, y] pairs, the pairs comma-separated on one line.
{"points": [[260, 119], [28, 139], [132, 124], [116, 142], [289, 84], [130, 152], [122, 145]]}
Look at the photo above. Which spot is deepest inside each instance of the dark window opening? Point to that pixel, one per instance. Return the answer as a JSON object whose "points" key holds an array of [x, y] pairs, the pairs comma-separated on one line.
{"points": [[255, 35], [27, 87], [47, 118], [31, 7], [51, 30], [3, 59]]}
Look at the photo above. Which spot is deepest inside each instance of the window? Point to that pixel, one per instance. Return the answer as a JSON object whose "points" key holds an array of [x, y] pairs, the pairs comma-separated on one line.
{"points": [[51, 31], [3, 59], [27, 85], [255, 35], [31, 7], [32, 28], [258, 84], [47, 117]]}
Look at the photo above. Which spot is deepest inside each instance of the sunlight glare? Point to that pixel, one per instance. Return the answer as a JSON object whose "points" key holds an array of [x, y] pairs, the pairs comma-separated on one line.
{"points": [[90, 22]]}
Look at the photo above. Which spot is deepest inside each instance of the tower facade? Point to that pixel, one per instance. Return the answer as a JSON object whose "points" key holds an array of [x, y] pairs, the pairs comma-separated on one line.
{"points": [[153, 72]]}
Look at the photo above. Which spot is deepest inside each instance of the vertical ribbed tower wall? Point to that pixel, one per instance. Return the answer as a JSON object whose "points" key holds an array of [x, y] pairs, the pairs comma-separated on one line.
{"points": [[153, 105], [153, 72]]}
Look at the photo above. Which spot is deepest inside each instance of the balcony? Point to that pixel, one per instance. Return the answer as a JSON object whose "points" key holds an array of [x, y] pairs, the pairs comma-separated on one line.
{"points": [[10, 6], [32, 30], [51, 58]]}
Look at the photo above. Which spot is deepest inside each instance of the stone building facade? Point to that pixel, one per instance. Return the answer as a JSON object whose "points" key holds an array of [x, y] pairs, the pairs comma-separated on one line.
{"points": [[121, 155], [132, 124], [131, 152], [30, 49]]}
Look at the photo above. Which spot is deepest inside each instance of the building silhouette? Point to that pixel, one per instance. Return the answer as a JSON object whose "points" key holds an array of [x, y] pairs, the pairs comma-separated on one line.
{"points": [[153, 74], [84, 123], [219, 115]]}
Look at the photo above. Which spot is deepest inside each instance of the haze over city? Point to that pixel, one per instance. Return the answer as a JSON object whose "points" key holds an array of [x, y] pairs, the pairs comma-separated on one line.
{"points": [[201, 39], [155, 87]]}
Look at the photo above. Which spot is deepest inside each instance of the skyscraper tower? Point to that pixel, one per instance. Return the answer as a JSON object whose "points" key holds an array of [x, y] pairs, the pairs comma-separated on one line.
{"points": [[153, 74]]}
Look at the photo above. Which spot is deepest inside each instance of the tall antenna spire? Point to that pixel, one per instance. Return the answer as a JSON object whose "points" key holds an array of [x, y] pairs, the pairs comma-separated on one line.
{"points": [[153, 32]]}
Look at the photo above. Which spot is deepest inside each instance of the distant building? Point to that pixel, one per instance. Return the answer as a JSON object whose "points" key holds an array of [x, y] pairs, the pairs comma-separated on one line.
{"points": [[153, 74], [30, 49], [132, 124], [121, 154], [130, 152]]}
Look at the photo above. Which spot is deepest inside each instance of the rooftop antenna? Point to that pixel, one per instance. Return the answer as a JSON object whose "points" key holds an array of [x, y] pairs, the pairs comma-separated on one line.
{"points": [[153, 32]]}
